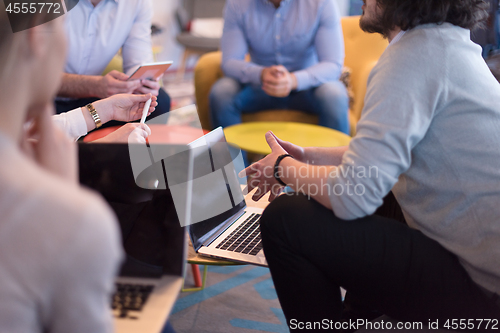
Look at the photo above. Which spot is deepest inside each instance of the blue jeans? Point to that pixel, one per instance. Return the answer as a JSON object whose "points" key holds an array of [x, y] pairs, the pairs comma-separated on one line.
{"points": [[229, 99]]}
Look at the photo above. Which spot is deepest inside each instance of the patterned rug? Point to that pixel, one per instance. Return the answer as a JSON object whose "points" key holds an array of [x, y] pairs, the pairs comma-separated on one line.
{"points": [[235, 299]]}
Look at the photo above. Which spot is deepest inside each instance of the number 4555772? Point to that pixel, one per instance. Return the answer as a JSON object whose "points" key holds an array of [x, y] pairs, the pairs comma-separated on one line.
{"points": [[471, 324], [32, 8]]}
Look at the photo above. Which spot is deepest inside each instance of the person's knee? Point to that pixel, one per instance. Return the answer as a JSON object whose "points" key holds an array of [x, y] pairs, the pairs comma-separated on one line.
{"points": [[224, 90], [283, 213], [164, 101], [332, 93]]}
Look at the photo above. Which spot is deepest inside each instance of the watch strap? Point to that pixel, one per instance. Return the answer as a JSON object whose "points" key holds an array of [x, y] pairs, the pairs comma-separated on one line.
{"points": [[94, 115], [276, 168]]}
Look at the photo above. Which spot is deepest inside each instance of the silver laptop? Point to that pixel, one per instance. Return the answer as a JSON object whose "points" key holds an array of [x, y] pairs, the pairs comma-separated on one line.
{"points": [[154, 241], [221, 225]]}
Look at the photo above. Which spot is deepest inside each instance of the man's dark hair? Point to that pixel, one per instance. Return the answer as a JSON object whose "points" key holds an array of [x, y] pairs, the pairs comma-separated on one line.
{"points": [[408, 14]]}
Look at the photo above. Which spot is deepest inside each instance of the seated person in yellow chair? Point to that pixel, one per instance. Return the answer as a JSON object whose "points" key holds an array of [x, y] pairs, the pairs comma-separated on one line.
{"points": [[297, 53]]}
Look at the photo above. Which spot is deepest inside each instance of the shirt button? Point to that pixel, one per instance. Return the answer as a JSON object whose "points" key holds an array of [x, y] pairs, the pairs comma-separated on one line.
{"points": [[278, 15], [277, 37]]}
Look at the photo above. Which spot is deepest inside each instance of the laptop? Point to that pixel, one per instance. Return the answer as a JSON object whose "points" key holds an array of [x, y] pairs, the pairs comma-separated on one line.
{"points": [[154, 241], [221, 224]]}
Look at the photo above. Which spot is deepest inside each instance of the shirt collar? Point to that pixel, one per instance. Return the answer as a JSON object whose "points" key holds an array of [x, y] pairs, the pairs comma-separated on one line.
{"points": [[283, 2], [398, 37]]}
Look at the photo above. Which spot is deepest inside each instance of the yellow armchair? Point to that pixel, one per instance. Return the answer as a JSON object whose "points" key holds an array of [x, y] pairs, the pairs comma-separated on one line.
{"points": [[362, 52]]}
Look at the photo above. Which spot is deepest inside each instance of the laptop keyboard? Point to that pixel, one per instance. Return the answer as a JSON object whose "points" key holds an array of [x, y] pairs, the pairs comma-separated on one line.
{"points": [[130, 297], [244, 239]]}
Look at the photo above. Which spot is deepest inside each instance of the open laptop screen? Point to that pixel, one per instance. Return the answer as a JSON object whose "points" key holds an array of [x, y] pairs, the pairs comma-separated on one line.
{"points": [[152, 236], [216, 191]]}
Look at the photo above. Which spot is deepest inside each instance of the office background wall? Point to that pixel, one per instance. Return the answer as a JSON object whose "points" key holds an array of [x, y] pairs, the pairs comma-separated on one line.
{"points": [[164, 17]]}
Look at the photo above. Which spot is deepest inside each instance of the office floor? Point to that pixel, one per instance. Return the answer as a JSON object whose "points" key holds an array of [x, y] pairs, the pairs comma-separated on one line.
{"points": [[181, 92], [236, 299]]}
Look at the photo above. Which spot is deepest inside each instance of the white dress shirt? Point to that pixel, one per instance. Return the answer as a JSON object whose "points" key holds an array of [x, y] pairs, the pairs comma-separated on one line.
{"points": [[59, 251], [95, 34], [72, 123]]}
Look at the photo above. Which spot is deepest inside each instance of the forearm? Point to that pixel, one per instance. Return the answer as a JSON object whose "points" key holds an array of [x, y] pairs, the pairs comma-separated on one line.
{"points": [[311, 180], [324, 155], [243, 71], [318, 74], [80, 86], [103, 109]]}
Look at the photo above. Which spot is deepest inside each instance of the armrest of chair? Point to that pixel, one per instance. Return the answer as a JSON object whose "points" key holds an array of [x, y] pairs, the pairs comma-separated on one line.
{"points": [[206, 73]]}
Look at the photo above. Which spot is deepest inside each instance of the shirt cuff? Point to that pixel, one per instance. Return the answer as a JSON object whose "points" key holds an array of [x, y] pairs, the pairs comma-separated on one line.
{"points": [[302, 77], [72, 123], [255, 74]]}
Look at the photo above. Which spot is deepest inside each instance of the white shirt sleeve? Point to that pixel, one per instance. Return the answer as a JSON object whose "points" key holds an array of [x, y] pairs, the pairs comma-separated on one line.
{"points": [[72, 123], [137, 49]]}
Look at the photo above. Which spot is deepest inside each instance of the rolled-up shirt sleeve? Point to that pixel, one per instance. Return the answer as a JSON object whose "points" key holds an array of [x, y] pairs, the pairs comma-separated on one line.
{"points": [[234, 48], [396, 117], [329, 44], [72, 123]]}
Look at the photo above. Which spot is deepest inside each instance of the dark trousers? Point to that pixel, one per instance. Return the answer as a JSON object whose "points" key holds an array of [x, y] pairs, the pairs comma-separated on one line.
{"points": [[163, 107], [381, 262]]}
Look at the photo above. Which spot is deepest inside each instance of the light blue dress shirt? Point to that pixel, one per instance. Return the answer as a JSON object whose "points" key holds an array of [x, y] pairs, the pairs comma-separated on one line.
{"points": [[305, 36], [95, 34]]}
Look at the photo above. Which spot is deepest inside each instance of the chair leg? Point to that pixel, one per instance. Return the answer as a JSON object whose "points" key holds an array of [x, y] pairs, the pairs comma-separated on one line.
{"points": [[182, 67]]}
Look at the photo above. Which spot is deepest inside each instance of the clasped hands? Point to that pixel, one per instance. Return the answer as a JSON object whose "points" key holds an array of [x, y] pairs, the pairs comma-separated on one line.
{"points": [[277, 81]]}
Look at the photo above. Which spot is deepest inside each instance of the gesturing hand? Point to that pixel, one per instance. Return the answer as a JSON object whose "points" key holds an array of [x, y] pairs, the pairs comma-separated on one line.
{"points": [[123, 107], [116, 82], [297, 152], [261, 174]]}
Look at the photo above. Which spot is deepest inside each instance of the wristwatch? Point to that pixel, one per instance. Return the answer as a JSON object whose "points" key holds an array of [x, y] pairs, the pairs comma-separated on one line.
{"points": [[276, 168], [94, 115]]}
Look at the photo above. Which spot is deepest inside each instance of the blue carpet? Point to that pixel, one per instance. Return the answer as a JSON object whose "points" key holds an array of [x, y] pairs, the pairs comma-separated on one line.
{"points": [[236, 299]]}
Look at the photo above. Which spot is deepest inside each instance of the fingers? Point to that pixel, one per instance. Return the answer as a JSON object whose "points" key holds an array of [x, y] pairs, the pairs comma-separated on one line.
{"points": [[276, 190], [146, 90], [126, 86], [118, 75], [151, 84], [271, 141], [146, 129], [141, 98], [249, 170]]}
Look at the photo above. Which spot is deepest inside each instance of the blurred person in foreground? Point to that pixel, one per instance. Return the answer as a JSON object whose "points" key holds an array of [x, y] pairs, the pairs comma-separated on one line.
{"points": [[430, 133], [59, 243]]}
